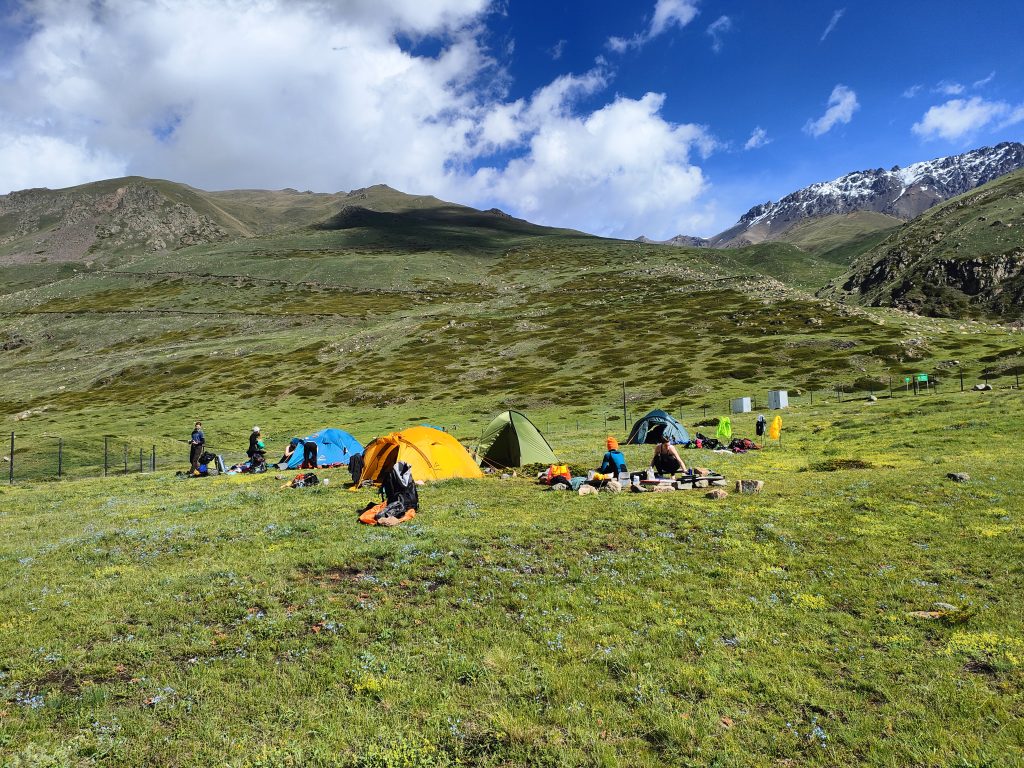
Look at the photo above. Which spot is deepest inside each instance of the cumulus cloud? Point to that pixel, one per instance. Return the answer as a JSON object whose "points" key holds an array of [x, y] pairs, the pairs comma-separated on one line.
{"points": [[842, 103], [717, 30], [320, 95], [960, 118], [836, 16], [667, 14], [757, 139], [912, 91]]}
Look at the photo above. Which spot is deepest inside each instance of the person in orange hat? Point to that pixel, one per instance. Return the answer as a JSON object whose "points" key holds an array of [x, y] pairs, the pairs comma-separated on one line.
{"points": [[614, 463]]}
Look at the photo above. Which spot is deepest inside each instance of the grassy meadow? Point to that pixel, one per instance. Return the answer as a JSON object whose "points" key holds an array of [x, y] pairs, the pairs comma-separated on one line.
{"points": [[227, 621], [150, 620]]}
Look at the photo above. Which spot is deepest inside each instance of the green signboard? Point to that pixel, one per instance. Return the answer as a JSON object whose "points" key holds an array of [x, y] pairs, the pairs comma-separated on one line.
{"points": [[922, 377], [906, 379]]}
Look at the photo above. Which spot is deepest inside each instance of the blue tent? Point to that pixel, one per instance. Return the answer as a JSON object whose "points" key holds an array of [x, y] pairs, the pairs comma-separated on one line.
{"points": [[334, 446], [651, 427]]}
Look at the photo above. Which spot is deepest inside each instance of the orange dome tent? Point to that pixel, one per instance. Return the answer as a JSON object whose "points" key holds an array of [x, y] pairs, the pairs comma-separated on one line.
{"points": [[432, 454]]}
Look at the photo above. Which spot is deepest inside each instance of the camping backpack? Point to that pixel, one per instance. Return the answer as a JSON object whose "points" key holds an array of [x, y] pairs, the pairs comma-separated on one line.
{"points": [[399, 490]]}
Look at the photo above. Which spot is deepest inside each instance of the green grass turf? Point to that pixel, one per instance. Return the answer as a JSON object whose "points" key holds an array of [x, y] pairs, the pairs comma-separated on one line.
{"points": [[227, 621]]}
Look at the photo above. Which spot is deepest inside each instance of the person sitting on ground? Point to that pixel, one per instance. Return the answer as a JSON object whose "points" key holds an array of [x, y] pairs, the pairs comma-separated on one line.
{"points": [[196, 445], [613, 463], [666, 459], [293, 445], [309, 451], [254, 441]]}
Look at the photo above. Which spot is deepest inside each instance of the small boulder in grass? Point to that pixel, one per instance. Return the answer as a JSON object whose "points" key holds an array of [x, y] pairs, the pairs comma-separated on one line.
{"points": [[701, 471], [718, 493], [586, 490], [959, 477], [749, 486], [612, 486]]}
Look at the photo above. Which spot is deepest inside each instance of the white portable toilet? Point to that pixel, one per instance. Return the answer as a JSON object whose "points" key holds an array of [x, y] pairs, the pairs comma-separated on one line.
{"points": [[778, 398], [741, 405]]}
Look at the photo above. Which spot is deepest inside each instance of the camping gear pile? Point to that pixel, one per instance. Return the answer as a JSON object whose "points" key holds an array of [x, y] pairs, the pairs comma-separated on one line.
{"points": [[303, 480], [400, 498], [334, 448]]}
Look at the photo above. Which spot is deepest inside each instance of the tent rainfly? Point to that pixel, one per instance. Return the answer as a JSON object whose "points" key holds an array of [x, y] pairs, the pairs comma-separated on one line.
{"points": [[431, 453], [334, 447], [512, 440], [651, 427]]}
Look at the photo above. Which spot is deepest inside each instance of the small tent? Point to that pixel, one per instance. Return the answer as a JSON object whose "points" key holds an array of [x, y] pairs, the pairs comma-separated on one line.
{"points": [[432, 455], [333, 447], [512, 440], [651, 427]]}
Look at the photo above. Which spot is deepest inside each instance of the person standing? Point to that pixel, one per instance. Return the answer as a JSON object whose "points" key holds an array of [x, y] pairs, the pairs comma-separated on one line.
{"points": [[196, 445], [254, 440]]}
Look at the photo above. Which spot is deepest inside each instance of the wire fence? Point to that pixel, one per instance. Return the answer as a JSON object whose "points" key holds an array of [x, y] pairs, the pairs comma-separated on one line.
{"points": [[47, 457]]}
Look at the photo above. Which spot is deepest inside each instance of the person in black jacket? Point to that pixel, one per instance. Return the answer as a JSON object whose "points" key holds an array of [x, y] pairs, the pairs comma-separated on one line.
{"points": [[309, 451], [196, 445], [254, 439]]}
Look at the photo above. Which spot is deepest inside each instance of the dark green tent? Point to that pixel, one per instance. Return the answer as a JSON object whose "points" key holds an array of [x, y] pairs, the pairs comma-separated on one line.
{"points": [[512, 440]]}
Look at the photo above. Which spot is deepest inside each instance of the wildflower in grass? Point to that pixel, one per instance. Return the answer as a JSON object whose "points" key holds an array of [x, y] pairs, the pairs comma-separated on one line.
{"points": [[811, 602], [987, 646]]}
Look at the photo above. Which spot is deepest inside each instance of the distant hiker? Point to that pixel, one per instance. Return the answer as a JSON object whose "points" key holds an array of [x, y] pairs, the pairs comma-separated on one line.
{"points": [[309, 451], [613, 463], [254, 442], [293, 446], [666, 458], [196, 444]]}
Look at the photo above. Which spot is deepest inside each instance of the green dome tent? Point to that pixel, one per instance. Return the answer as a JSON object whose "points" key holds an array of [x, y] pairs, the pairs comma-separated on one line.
{"points": [[512, 440]]}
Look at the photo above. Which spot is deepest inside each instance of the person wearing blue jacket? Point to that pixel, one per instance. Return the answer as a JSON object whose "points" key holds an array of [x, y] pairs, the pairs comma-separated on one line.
{"points": [[613, 463]]}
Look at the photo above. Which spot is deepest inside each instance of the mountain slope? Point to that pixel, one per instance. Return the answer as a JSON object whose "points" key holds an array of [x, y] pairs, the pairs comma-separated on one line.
{"points": [[899, 194], [964, 257]]}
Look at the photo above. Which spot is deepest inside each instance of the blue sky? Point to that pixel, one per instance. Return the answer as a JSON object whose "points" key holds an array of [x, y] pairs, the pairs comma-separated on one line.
{"points": [[656, 118]]}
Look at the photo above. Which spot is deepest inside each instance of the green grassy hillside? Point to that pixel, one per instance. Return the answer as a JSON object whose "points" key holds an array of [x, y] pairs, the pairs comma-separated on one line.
{"points": [[826, 234], [227, 621], [962, 258]]}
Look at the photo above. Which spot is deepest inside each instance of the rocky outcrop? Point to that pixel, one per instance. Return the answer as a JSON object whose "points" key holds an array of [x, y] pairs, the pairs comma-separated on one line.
{"points": [[126, 215], [682, 241]]}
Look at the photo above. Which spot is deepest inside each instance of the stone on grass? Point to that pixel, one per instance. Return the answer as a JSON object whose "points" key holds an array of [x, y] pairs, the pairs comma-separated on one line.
{"points": [[388, 522], [612, 486], [718, 483], [586, 490], [700, 483], [701, 471], [718, 493], [749, 486], [958, 477]]}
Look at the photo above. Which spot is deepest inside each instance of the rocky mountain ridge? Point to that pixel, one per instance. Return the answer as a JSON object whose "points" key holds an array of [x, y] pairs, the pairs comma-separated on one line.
{"points": [[903, 193]]}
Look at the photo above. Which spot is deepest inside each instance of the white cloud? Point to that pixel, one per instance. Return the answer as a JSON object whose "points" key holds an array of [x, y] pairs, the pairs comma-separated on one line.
{"points": [[558, 49], [717, 29], [28, 160], [984, 81], [757, 139], [912, 91], [623, 167], [836, 16], [959, 118], [842, 103], [948, 88], [667, 14], [319, 95]]}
